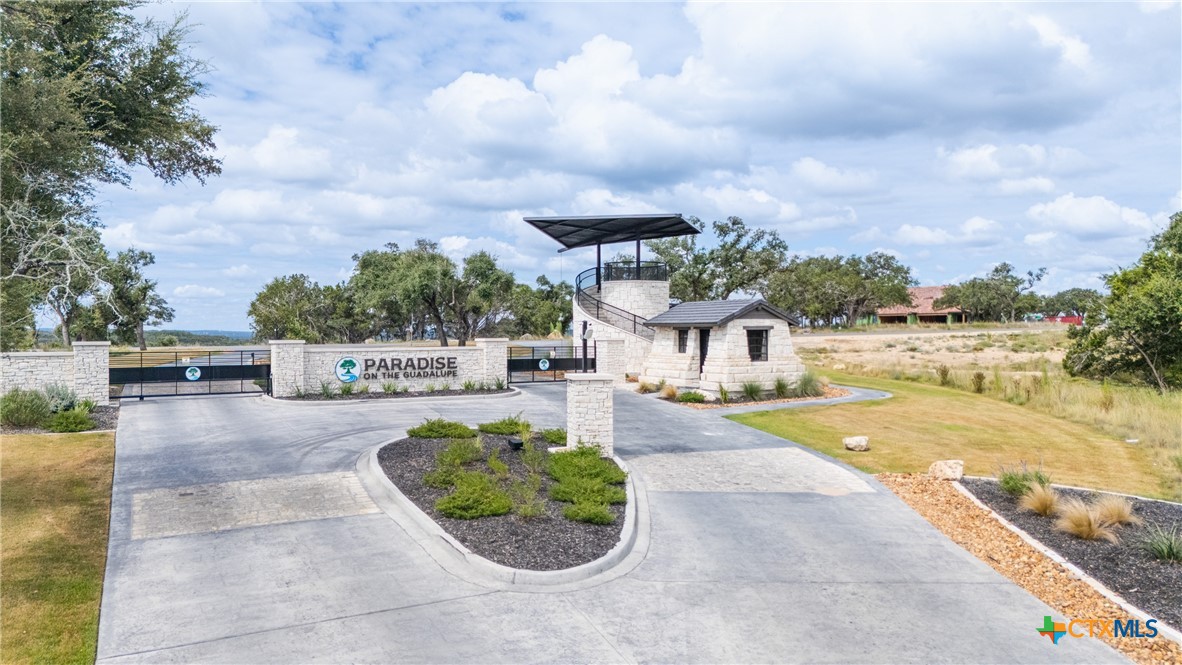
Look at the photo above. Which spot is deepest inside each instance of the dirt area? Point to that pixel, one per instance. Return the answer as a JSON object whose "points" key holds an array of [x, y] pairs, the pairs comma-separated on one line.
{"points": [[968, 348], [977, 531]]}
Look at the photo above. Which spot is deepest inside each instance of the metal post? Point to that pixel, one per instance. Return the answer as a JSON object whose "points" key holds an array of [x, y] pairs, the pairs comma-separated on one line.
{"points": [[584, 336], [637, 259], [141, 376], [598, 262]]}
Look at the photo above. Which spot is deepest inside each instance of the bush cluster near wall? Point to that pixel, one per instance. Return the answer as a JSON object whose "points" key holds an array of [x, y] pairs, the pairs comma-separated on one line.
{"points": [[55, 408]]}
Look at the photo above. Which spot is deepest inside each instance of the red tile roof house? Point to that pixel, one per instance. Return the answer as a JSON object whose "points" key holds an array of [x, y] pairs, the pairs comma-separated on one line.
{"points": [[922, 308]]}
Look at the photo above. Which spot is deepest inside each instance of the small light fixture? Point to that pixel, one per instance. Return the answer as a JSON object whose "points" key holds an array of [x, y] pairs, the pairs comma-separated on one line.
{"points": [[588, 332]]}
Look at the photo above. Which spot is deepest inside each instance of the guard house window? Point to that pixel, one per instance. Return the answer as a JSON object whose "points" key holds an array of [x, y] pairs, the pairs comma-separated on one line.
{"points": [[757, 344], [682, 340]]}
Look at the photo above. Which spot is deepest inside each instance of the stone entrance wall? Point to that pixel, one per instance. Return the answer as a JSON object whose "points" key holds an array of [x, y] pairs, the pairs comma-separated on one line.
{"points": [[85, 370]]}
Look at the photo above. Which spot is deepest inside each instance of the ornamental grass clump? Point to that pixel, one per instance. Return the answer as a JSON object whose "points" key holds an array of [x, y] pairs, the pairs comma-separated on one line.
{"points": [[524, 494], [438, 428], [669, 392], [1015, 481], [326, 390], [1041, 499], [389, 387], [1082, 521], [1162, 544], [809, 385], [782, 388], [346, 389], [1115, 510], [752, 390], [645, 388], [23, 408], [476, 495]]}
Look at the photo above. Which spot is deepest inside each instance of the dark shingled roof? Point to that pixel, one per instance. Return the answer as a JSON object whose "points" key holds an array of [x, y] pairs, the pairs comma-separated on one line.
{"points": [[572, 232], [714, 313]]}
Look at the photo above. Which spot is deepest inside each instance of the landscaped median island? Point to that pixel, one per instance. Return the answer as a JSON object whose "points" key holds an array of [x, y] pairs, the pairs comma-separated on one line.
{"points": [[974, 529], [54, 408], [808, 387], [499, 491]]}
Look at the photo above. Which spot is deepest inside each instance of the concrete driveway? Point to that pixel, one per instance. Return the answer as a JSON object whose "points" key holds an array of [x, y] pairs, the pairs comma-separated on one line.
{"points": [[240, 534]]}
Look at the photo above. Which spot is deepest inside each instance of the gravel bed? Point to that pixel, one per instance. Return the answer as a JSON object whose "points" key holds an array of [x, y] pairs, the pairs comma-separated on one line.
{"points": [[978, 532], [550, 542], [378, 394], [104, 417], [1152, 585]]}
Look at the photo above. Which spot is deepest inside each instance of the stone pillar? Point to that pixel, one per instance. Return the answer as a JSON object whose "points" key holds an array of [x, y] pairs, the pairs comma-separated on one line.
{"points": [[496, 359], [611, 358], [92, 371], [287, 367], [589, 419]]}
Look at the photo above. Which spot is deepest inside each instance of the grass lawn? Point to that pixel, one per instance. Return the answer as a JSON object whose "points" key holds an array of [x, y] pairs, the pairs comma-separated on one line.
{"points": [[924, 423], [55, 490]]}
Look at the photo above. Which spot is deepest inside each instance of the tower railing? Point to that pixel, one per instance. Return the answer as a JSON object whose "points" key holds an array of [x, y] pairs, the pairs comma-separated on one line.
{"points": [[652, 271], [587, 296]]}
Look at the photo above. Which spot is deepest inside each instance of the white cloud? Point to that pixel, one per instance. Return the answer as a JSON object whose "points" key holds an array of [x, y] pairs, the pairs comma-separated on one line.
{"points": [[1039, 238], [240, 270], [822, 177], [1033, 185], [280, 155], [196, 291], [973, 231], [1156, 6], [1090, 217], [1015, 165], [1073, 50]]}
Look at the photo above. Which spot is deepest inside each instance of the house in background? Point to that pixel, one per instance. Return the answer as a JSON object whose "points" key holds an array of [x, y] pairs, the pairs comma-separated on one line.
{"points": [[922, 308]]}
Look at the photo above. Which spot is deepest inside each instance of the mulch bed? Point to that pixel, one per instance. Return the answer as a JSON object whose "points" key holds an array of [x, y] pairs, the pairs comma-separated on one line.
{"points": [[550, 542], [1152, 585], [978, 532], [378, 394], [742, 400], [104, 417]]}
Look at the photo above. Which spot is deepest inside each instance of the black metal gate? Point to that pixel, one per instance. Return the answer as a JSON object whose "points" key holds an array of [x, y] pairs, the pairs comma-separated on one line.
{"points": [[141, 374], [529, 364]]}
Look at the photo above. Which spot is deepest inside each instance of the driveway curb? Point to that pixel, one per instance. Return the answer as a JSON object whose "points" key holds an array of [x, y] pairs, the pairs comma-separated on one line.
{"points": [[458, 560], [513, 392]]}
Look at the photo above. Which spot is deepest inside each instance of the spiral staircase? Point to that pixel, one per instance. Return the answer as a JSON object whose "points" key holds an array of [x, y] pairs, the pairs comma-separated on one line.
{"points": [[589, 294]]}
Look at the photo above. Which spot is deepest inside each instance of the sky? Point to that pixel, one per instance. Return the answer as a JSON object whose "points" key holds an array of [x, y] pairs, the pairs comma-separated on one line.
{"points": [[954, 136]]}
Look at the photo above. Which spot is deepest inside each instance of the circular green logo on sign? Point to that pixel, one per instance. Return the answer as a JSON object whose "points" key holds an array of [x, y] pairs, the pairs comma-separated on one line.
{"points": [[193, 373], [543, 364], [344, 370]]}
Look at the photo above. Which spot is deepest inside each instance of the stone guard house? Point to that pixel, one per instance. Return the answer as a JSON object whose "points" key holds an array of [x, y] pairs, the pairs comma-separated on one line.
{"points": [[722, 343]]}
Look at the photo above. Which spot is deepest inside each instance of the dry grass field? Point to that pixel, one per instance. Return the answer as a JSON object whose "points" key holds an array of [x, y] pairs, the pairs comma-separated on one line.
{"points": [[56, 495]]}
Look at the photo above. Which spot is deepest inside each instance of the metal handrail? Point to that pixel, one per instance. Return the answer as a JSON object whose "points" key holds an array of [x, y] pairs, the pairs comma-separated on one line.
{"points": [[653, 271], [609, 314]]}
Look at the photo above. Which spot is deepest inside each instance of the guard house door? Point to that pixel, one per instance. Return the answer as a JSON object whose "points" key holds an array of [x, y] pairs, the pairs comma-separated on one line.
{"points": [[703, 347]]}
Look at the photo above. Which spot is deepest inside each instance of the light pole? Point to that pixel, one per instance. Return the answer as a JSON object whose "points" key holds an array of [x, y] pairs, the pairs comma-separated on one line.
{"points": [[588, 331]]}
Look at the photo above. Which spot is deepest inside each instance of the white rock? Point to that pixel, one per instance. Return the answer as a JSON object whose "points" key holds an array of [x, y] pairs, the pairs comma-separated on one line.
{"points": [[839, 367], [949, 469], [857, 443]]}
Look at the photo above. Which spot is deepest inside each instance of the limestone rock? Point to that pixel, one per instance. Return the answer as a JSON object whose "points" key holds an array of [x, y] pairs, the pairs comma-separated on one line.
{"points": [[857, 443], [838, 367], [949, 469]]}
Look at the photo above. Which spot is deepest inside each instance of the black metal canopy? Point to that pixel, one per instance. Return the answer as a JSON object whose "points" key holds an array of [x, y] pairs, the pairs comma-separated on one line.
{"points": [[573, 232]]}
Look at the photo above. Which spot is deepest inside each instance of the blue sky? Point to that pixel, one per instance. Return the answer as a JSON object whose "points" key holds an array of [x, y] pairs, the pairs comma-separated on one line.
{"points": [[953, 135]]}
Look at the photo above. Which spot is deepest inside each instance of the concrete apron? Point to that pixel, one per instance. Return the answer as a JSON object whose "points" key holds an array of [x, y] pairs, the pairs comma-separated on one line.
{"points": [[240, 532]]}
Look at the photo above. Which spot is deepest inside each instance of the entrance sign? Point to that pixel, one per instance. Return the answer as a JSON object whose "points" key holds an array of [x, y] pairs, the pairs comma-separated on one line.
{"points": [[344, 370], [193, 373], [543, 364]]}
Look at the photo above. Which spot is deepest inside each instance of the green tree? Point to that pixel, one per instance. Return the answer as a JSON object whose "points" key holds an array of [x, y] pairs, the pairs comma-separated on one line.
{"points": [[89, 93], [1138, 329], [425, 280], [133, 301], [375, 290], [480, 297], [289, 307], [741, 260], [831, 290], [995, 297], [1071, 302]]}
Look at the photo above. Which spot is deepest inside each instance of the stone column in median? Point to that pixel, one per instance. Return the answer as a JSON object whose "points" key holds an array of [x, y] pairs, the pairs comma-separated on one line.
{"points": [[589, 419], [92, 371], [287, 367], [496, 359]]}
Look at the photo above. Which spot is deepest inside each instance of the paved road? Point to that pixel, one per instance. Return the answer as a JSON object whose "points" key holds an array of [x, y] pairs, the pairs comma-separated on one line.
{"points": [[239, 533]]}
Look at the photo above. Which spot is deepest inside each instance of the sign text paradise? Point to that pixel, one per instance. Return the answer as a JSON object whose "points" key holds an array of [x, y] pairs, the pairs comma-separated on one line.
{"points": [[410, 368]]}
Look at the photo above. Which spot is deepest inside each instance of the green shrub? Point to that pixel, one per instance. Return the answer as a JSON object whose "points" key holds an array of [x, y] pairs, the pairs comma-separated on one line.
{"points": [[579, 490], [23, 408], [389, 387], [535, 459], [169, 340], [585, 462], [469, 385], [346, 389], [645, 388], [85, 406], [1162, 544], [476, 495], [753, 390], [363, 389], [439, 428], [555, 436], [592, 513], [445, 387], [724, 395], [945, 374], [442, 477], [978, 382], [505, 426], [60, 397], [783, 388], [430, 387], [808, 386], [1016, 480], [69, 421], [525, 497], [404, 389], [327, 390], [691, 396], [460, 452], [497, 465]]}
